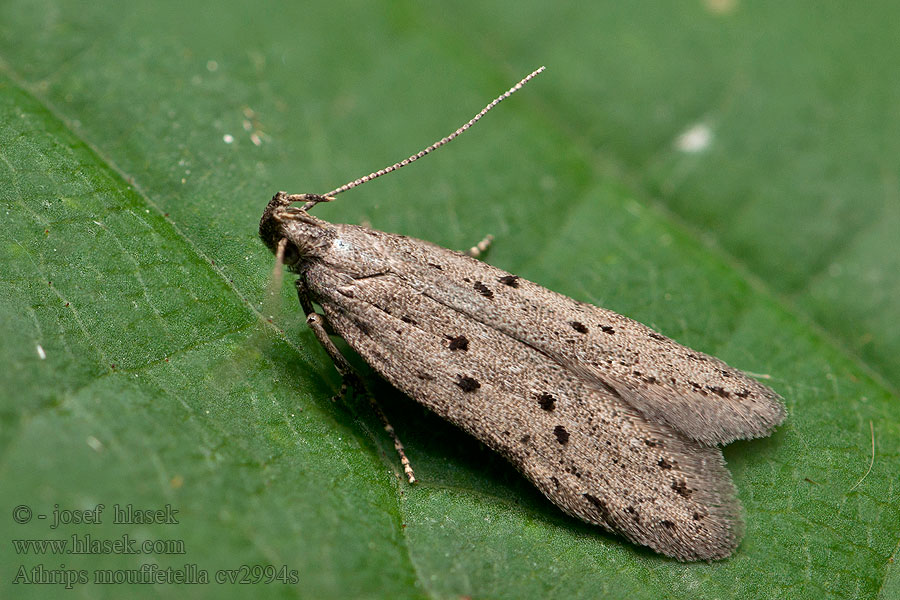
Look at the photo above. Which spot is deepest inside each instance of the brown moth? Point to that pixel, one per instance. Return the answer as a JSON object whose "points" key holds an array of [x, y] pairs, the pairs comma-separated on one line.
{"points": [[615, 423]]}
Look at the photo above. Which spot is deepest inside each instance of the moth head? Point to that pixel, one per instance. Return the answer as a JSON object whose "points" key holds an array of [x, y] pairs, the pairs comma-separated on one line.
{"points": [[274, 228]]}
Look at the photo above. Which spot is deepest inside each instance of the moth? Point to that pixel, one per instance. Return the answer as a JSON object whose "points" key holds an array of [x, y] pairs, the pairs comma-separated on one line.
{"points": [[615, 423]]}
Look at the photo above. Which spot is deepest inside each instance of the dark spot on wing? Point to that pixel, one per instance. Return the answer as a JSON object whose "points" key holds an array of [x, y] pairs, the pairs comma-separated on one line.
{"points": [[409, 320], [467, 383], [634, 514], [525, 439], [599, 504], [436, 266], [579, 327], [743, 393], [483, 289], [459, 342], [656, 336], [562, 436], [510, 280], [664, 464], [607, 329], [681, 487], [546, 401], [718, 391], [667, 524], [697, 388]]}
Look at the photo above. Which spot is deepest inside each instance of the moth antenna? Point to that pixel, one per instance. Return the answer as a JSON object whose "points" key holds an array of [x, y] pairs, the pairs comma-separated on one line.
{"points": [[431, 148]]}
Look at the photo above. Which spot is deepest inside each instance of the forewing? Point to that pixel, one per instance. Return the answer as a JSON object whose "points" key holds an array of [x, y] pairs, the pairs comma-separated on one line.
{"points": [[697, 394], [583, 446]]}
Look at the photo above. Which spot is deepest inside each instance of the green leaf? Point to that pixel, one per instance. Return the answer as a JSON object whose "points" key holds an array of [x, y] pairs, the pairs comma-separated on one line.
{"points": [[139, 144]]}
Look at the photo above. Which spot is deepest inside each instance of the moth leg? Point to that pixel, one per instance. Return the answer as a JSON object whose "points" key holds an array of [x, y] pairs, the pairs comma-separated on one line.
{"points": [[352, 379], [481, 247], [398, 445], [303, 295]]}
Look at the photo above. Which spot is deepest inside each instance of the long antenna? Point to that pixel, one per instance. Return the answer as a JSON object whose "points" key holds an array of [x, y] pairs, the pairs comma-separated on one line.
{"points": [[437, 144]]}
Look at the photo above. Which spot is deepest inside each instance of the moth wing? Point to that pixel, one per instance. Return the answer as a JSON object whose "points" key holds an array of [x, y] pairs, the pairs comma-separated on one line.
{"points": [[585, 448], [692, 392]]}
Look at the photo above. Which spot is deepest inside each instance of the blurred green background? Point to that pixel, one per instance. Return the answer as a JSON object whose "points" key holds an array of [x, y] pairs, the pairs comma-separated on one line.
{"points": [[727, 172]]}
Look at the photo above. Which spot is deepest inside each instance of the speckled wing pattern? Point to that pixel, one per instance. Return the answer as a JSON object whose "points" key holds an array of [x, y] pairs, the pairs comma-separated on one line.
{"points": [[613, 422]]}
